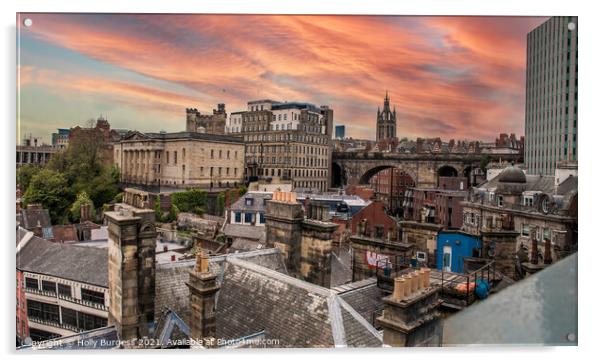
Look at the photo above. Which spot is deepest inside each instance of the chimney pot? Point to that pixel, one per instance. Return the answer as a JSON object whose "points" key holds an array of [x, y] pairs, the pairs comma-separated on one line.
{"points": [[427, 277], [399, 289], [164, 248], [173, 257]]}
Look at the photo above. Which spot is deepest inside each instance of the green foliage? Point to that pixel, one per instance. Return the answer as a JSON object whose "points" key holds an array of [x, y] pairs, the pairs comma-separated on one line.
{"points": [[24, 175], [77, 169], [51, 190], [221, 203], [485, 160], [119, 197], [75, 210], [173, 214], [242, 190], [158, 211], [193, 200]]}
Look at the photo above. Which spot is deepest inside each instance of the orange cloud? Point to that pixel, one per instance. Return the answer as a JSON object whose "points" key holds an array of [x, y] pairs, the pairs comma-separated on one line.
{"points": [[454, 77]]}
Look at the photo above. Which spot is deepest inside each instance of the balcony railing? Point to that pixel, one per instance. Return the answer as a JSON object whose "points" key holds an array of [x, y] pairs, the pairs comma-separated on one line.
{"points": [[53, 323], [40, 292], [87, 303], [91, 304]]}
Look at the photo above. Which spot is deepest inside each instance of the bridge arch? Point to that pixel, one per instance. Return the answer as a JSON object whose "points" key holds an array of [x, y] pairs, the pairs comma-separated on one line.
{"points": [[447, 170], [369, 173], [337, 176]]}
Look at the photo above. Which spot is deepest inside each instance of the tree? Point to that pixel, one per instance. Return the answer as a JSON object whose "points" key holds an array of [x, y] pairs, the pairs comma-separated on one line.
{"points": [[221, 202], [158, 211], [485, 160], [75, 210], [24, 175], [51, 190], [192, 200]]}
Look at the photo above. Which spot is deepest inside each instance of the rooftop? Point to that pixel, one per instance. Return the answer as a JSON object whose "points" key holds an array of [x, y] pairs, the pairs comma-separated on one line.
{"points": [[76, 263]]}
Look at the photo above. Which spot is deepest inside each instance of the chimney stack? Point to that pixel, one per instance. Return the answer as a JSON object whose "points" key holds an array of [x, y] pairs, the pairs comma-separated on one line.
{"points": [[410, 316], [203, 289], [131, 251], [84, 212], [534, 257]]}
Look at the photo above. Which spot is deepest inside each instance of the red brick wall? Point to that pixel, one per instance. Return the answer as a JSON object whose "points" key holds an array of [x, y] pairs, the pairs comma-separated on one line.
{"points": [[21, 308], [375, 215]]}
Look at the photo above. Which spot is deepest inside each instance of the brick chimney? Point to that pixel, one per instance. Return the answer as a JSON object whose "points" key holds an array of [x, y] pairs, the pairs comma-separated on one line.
{"points": [[131, 250], [203, 289], [84, 212], [410, 316]]}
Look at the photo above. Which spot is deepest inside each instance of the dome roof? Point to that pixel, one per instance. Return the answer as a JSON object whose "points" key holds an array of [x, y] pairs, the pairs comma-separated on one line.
{"points": [[512, 174]]}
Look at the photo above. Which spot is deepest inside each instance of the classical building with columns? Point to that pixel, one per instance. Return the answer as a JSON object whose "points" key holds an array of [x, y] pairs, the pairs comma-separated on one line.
{"points": [[180, 160]]}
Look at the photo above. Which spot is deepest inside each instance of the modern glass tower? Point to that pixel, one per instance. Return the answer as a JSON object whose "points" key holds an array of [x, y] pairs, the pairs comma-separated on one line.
{"points": [[551, 100]]}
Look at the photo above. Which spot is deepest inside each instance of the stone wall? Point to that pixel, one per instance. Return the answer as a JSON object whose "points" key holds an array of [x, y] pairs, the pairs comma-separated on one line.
{"points": [[316, 248], [363, 247], [423, 236], [131, 253]]}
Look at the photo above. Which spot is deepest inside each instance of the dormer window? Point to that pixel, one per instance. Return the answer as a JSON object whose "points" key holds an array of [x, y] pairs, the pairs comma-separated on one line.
{"points": [[500, 200], [528, 200], [248, 201]]}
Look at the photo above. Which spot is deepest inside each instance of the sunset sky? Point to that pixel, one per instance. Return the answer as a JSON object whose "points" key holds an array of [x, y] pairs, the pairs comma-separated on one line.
{"points": [[453, 77]]}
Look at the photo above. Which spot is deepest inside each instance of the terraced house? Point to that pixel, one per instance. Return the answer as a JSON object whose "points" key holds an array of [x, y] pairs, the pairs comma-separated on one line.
{"points": [[65, 287]]}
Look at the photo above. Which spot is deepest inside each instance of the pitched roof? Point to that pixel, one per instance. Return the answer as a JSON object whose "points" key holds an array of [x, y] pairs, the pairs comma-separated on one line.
{"points": [[255, 297], [257, 205], [256, 233], [30, 218], [77, 263]]}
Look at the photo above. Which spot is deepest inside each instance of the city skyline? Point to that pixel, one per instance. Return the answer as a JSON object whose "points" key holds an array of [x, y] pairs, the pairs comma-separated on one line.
{"points": [[449, 77]]}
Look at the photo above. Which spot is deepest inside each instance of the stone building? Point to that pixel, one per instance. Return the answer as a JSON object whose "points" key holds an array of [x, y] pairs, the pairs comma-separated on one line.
{"points": [[289, 140], [386, 122], [526, 211], [211, 124], [180, 160]]}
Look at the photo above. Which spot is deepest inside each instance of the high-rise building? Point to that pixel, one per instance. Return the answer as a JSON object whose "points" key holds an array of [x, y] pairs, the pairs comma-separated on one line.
{"points": [[339, 132], [551, 102], [386, 122], [286, 141]]}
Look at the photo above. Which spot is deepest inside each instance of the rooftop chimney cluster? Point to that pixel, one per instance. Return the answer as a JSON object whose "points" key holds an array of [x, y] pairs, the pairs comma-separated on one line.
{"points": [[411, 284], [286, 197]]}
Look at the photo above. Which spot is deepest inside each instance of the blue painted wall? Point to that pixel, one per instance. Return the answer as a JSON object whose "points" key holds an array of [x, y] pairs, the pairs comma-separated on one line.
{"points": [[461, 245]]}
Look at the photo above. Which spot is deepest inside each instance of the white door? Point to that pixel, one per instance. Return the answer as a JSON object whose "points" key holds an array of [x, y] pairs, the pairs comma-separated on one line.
{"points": [[447, 258]]}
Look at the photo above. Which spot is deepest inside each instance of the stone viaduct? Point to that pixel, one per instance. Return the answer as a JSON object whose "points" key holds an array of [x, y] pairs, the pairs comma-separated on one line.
{"points": [[349, 168]]}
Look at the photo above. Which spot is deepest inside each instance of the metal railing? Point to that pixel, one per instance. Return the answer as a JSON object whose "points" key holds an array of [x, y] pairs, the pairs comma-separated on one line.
{"points": [[87, 303], [53, 324]]}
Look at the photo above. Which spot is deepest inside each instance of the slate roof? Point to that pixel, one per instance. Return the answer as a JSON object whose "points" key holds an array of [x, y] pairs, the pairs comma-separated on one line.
{"points": [[365, 297], [258, 202], [254, 296], [183, 135], [77, 263], [31, 217], [256, 233]]}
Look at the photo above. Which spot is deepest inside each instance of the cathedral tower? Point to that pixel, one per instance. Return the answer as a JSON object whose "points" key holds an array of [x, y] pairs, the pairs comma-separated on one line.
{"points": [[386, 122]]}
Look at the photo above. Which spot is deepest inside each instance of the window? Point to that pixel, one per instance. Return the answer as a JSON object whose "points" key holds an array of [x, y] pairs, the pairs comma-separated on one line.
{"points": [[237, 217], [175, 157], [49, 286], [64, 289], [31, 283], [546, 234], [93, 296], [528, 200], [43, 311], [500, 200], [212, 153], [89, 322], [248, 201], [525, 230], [262, 217], [249, 217], [69, 316], [220, 154]]}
